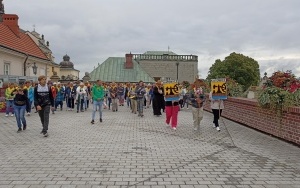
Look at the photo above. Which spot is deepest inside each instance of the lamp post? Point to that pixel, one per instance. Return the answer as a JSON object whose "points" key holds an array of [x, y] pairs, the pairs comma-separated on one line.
{"points": [[34, 68], [177, 64]]}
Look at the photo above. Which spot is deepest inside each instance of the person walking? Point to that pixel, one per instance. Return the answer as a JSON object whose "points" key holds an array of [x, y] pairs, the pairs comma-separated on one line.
{"points": [[172, 108], [98, 93], [158, 100], [113, 95], [120, 94], [9, 97], [140, 93], [43, 100], [132, 97], [217, 106], [80, 97], [70, 94], [88, 95], [28, 90], [54, 93], [59, 97], [197, 99], [21, 104]]}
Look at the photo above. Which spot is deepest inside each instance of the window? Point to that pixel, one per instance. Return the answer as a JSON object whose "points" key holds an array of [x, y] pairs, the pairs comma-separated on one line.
{"points": [[6, 68]]}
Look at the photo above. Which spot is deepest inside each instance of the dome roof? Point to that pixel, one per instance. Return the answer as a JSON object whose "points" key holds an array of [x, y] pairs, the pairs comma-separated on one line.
{"points": [[66, 63], [66, 58]]}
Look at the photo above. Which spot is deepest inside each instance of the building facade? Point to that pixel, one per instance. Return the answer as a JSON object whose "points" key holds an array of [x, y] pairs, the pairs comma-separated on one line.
{"points": [[150, 67], [20, 57], [168, 66]]}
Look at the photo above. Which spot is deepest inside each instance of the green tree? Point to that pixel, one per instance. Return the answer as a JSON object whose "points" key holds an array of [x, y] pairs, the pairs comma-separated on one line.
{"points": [[244, 70]]}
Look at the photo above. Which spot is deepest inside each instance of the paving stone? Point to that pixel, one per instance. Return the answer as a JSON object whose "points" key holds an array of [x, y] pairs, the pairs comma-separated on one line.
{"points": [[128, 151]]}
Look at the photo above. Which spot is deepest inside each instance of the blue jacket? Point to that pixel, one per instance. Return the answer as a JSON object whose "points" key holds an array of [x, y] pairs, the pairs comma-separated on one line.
{"points": [[31, 94], [70, 93]]}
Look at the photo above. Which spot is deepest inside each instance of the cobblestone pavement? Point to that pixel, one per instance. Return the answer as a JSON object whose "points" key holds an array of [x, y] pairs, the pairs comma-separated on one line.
{"points": [[129, 151]]}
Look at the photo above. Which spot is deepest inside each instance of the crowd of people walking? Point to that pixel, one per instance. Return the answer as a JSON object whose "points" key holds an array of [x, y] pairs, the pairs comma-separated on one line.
{"points": [[46, 98]]}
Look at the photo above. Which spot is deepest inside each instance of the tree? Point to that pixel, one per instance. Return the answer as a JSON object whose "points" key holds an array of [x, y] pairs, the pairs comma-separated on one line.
{"points": [[244, 70]]}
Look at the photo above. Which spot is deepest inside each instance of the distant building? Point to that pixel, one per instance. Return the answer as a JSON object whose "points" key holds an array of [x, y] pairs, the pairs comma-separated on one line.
{"points": [[24, 55], [20, 57], [67, 70], [117, 69], [52, 67], [149, 67]]}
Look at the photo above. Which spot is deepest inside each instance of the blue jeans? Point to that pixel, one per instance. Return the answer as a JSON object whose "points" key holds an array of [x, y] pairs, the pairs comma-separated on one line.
{"points": [[20, 115], [95, 104], [29, 108], [80, 104], [128, 102], [9, 106]]}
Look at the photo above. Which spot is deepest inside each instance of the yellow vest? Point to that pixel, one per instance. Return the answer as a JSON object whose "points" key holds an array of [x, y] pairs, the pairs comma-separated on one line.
{"points": [[8, 93]]}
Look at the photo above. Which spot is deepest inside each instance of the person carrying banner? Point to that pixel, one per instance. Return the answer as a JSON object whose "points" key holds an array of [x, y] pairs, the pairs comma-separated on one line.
{"points": [[217, 106], [172, 95]]}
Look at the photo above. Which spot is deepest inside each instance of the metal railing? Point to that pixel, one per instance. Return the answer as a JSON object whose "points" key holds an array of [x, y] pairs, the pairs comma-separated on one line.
{"points": [[16, 79], [165, 57]]}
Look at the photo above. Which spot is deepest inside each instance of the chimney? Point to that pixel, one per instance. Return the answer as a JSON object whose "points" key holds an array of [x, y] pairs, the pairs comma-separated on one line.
{"points": [[128, 63], [11, 21]]}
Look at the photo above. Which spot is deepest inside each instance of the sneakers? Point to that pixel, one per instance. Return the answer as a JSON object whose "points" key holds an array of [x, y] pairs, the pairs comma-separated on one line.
{"points": [[92, 122], [45, 134], [100, 119], [174, 128], [218, 128], [28, 113], [6, 115], [24, 127], [19, 130], [167, 125], [195, 129], [12, 115]]}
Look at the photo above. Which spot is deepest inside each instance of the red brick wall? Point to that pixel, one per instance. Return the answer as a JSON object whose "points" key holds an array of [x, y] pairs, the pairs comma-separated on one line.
{"points": [[247, 112]]}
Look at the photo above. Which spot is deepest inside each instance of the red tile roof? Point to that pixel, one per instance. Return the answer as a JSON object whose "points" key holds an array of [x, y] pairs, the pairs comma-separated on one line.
{"points": [[22, 43]]}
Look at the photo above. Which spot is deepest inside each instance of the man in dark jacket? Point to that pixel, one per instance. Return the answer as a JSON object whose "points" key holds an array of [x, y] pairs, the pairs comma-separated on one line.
{"points": [[43, 100]]}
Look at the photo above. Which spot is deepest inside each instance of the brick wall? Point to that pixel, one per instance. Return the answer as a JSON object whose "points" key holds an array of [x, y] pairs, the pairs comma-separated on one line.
{"points": [[247, 112]]}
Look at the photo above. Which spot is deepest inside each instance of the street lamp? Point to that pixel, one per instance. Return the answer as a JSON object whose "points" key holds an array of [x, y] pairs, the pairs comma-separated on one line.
{"points": [[34, 68], [177, 64]]}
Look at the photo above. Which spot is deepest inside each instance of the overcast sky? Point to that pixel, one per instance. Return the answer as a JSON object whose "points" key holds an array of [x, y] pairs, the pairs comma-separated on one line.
{"points": [[90, 31]]}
